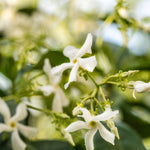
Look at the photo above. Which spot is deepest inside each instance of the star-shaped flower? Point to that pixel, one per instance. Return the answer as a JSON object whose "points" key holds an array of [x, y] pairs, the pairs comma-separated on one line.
{"points": [[60, 98], [139, 87], [11, 124], [76, 60], [93, 124]]}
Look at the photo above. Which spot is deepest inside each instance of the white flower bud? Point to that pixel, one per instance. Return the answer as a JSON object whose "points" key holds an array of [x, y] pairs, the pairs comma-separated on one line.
{"points": [[139, 87], [76, 111], [112, 127]]}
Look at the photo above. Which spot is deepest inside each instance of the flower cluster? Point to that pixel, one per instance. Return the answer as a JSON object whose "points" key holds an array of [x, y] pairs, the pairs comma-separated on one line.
{"points": [[11, 124], [54, 74], [93, 123], [84, 84], [92, 120]]}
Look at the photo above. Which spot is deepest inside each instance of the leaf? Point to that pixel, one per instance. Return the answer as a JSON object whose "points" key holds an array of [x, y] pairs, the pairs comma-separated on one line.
{"points": [[49, 145], [137, 116], [129, 140], [55, 58], [5, 141]]}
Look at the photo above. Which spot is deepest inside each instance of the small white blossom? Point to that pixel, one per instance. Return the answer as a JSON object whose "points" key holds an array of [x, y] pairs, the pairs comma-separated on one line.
{"points": [[75, 54], [60, 98], [93, 124], [139, 87], [11, 124]]}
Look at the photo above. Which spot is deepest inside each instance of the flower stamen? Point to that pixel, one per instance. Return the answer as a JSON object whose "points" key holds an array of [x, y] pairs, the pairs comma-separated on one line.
{"points": [[92, 123], [12, 124], [74, 61]]}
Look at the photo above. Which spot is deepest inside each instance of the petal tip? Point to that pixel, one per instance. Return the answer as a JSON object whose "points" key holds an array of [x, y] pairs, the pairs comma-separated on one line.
{"points": [[66, 85]]}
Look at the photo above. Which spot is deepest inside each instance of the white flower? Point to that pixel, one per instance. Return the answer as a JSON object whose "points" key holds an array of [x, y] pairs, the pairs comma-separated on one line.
{"points": [[11, 124], [93, 124], [76, 61], [139, 87], [60, 98]]}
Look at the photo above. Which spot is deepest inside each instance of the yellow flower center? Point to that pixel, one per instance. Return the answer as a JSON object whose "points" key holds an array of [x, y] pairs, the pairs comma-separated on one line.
{"points": [[92, 123], [56, 86], [13, 124], [74, 61]]}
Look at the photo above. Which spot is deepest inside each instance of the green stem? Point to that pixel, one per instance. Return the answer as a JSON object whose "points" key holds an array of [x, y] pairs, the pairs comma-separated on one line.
{"points": [[105, 80], [102, 94], [92, 79], [40, 74], [85, 99], [94, 93], [91, 96], [10, 97], [92, 108], [98, 104], [39, 109], [111, 82], [49, 112]]}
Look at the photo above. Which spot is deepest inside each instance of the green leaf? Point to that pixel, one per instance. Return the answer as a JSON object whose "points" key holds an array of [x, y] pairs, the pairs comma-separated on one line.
{"points": [[129, 140], [55, 58], [49, 145], [5, 144], [137, 116]]}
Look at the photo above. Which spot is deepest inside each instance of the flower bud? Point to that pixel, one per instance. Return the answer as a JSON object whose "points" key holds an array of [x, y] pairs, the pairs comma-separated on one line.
{"points": [[112, 127], [76, 111], [139, 87]]}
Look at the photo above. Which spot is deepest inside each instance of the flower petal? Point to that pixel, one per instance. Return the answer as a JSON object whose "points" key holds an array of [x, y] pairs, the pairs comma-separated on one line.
{"points": [[76, 126], [88, 63], [59, 100], [4, 127], [63, 97], [58, 70], [86, 114], [4, 110], [47, 69], [21, 112], [106, 115], [57, 104], [73, 74], [69, 138], [134, 94], [47, 66], [47, 89], [89, 139], [86, 48], [106, 135], [17, 143], [141, 86], [27, 131], [70, 52]]}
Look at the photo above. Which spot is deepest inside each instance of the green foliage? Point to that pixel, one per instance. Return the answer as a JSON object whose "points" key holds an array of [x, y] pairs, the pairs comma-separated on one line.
{"points": [[49, 145]]}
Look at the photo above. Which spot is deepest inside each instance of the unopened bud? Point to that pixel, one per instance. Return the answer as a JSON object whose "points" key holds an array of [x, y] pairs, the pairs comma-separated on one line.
{"points": [[139, 87], [112, 127], [76, 111]]}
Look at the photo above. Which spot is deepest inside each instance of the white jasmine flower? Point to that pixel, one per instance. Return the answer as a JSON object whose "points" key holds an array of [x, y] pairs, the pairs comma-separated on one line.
{"points": [[60, 98], [93, 124], [75, 54], [11, 124], [139, 87]]}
